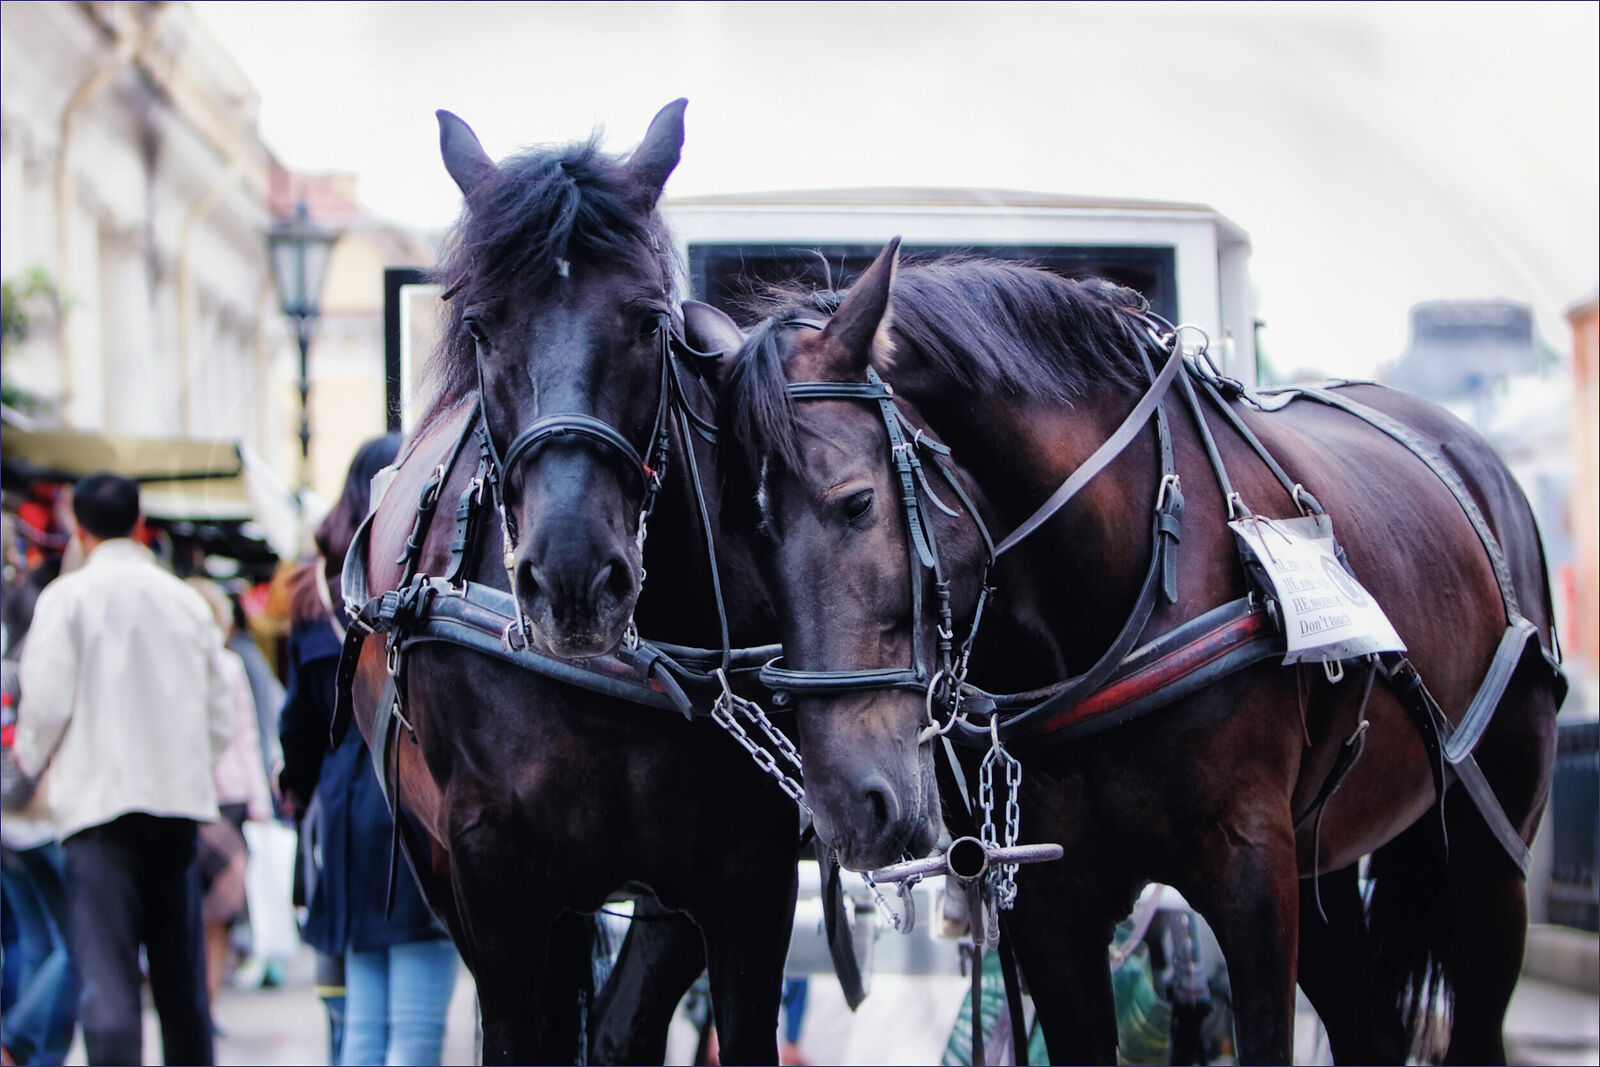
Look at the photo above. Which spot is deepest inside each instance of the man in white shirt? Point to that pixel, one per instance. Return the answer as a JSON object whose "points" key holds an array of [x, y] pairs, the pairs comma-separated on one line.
{"points": [[124, 703]]}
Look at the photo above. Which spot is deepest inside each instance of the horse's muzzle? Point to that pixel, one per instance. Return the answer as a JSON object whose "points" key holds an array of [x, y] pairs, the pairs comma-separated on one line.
{"points": [[578, 608]]}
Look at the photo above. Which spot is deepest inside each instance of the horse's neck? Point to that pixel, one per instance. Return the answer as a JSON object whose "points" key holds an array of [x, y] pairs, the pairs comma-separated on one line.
{"points": [[420, 456], [1083, 567]]}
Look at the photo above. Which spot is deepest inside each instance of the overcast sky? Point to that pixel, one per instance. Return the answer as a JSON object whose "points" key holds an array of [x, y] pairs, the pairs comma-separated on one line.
{"points": [[1378, 154]]}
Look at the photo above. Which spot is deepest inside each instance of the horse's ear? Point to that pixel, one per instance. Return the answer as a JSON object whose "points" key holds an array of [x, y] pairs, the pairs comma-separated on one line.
{"points": [[658, 154], [464, 157], [861, 325], [714, 337]]}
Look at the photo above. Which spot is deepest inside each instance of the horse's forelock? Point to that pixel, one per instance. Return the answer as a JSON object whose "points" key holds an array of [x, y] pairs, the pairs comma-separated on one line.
{"points": [[540, 208], [756, 408]]}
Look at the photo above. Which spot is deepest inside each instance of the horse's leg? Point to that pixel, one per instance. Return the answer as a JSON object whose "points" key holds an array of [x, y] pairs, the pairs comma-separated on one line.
{"points": [[1488, 897], [1337, 971], [747, 940], [508, 929], [568, 986], [661, 957], [1249, 893], [1061, 944], [1487, 901]]}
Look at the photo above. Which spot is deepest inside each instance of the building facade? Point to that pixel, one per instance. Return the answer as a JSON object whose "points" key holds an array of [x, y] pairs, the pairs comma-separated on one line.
{"points": [[135, 197]]}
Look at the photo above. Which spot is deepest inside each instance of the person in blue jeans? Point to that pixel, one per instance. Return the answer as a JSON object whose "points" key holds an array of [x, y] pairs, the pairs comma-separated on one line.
{"points": [[37, 1026], [400, 969]]}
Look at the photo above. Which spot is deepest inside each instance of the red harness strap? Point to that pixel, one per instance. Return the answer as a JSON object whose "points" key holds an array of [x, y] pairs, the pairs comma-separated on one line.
{"points": [[1153, 677], [1174, 665]]}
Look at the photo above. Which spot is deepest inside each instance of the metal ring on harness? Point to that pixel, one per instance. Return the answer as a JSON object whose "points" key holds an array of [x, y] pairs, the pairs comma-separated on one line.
{"points": [[1204, 351], [933, 729]]}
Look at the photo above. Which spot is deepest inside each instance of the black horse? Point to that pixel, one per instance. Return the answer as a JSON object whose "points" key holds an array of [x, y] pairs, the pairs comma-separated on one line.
{"points": [[1255, 791], [561, 400]]}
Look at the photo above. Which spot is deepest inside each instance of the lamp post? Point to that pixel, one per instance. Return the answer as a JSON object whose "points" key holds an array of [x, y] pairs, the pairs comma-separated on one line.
{"points": [[300, 253]]}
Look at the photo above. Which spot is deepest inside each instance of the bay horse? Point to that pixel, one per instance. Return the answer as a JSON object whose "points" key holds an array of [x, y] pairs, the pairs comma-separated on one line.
{"points": [[881, 436], [534, 795]]}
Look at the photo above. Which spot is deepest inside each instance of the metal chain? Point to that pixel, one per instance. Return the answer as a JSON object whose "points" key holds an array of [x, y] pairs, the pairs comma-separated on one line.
{"points": [[757, 715], [722, 710], [630, 633], [1001, 881]]}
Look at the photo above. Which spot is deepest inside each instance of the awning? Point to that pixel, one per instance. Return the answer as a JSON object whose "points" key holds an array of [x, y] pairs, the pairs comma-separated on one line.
{"points": [[180, 478]]}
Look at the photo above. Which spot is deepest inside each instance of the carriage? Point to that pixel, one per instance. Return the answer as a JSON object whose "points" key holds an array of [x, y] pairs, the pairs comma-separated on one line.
{"points": [[501, 576]]}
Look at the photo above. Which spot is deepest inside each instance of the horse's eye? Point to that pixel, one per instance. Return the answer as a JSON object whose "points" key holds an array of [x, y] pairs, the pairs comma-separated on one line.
{"points": [[474, 326], [857, 506], [651, 325]]}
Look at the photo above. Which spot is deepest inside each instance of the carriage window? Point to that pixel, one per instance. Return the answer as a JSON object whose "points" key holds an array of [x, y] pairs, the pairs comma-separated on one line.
{"points": [[412, 317], [726, 275]]}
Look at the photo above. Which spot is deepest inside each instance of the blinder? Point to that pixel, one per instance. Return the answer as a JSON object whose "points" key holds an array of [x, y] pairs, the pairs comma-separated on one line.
{"points": [[922, 548]]}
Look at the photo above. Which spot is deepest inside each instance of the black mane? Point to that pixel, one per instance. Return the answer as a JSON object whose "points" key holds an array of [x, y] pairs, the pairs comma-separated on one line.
{"points": [[540, 207], [980, 326]]}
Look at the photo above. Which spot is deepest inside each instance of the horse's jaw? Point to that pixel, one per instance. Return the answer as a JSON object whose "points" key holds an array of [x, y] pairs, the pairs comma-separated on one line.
{"points": [[874, 800]]}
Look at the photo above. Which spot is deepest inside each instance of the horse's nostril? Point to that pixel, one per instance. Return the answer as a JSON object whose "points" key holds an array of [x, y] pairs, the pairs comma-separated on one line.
{"points": [[528, 584], [880, 807], [613, 581], [880, 804]]}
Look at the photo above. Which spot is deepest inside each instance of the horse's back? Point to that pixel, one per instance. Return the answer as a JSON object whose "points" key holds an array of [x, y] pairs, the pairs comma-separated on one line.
{"points": [[1489, 481], [1404, 523]]}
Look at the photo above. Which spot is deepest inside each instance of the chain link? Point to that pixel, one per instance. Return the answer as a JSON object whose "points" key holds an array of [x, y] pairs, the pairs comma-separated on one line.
{"points": [[722, 711], [1001, 881]]}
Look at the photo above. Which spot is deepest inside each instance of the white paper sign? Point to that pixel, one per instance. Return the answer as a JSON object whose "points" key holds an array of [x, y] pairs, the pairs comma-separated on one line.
{"points": [[1327, 615]]}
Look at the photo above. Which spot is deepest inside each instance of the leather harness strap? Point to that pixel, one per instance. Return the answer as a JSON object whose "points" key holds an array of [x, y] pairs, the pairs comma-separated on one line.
{"points": [[1443, 470], [1101, 457], [1180, 662]]}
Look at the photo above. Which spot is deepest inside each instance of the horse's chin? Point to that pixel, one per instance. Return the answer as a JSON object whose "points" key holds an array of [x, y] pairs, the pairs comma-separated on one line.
{"points": [[857, 854], [586, 642]]}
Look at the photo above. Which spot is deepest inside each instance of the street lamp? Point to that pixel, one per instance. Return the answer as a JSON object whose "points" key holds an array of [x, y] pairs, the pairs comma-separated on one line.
{"points": [[300, 253]]}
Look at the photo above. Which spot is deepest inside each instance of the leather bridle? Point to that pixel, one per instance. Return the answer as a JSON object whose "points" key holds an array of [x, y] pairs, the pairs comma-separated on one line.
{"points": [[945, 686], [907, 444], [649, 467]]}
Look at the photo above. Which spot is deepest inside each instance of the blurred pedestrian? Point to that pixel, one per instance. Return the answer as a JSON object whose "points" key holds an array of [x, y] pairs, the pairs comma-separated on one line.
{"points": [[242, 793], [127, 707], [40, 1009], [399, 971], [265, 689], [272, 937]]}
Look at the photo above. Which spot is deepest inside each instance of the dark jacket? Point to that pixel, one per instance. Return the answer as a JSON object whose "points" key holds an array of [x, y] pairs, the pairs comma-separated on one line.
{"points": [[345, 905]]}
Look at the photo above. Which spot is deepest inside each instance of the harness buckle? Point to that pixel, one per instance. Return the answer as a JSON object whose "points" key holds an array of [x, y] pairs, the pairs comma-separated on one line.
{"points": [[514, 626], [1170, 484]]}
